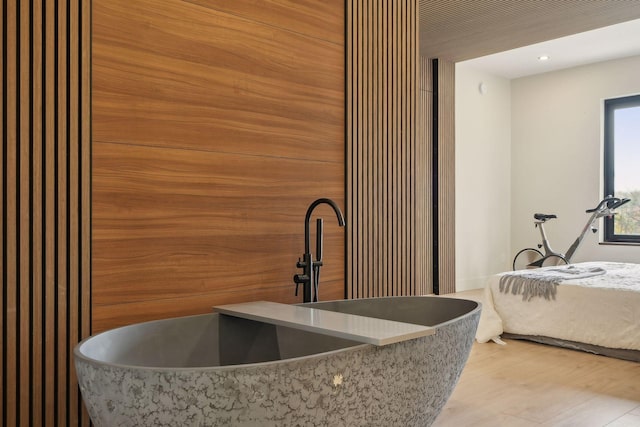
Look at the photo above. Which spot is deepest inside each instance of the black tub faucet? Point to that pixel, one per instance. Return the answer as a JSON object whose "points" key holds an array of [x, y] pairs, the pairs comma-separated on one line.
{"points": [[310, 277]]}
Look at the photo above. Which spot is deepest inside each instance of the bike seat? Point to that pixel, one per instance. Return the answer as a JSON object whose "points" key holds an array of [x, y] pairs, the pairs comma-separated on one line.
{"points": [[543, 217]]}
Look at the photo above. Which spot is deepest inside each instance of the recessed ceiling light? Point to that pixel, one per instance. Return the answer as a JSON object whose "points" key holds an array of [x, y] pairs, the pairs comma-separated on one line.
{"points": [[543, 58]]}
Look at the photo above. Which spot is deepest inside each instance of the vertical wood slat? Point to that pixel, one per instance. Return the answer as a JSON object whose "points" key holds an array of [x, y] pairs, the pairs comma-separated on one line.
{"points": [[412, 17], [42, 216], [2, 204], [384, 111], [369, 81], [393, 172], [24, 212], [348, 129], [49, 209], [446, 176], [375, 135], [386, 256], [37, 218], [401, 143], [62, 201], [10, 308], [361, 141]]}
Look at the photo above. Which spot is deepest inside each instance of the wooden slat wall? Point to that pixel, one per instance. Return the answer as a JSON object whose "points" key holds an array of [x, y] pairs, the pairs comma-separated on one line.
{"points": [[385, 160], [215, 125], [45, 209], [424, 234], [446, 177]]}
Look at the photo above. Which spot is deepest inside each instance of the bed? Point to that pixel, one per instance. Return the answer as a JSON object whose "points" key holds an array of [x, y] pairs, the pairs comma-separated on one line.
{"points": [[591, 306]]}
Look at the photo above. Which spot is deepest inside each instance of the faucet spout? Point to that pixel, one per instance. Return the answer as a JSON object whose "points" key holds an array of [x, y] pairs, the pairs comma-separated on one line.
{"points": [[307, 219], [310, 276]]}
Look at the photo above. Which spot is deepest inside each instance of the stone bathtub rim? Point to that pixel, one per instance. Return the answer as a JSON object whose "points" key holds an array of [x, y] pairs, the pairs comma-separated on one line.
{"points": [[356, 347]]}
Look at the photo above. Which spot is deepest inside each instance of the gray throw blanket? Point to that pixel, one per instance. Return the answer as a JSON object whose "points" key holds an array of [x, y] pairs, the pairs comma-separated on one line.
{"points": [[543, 282]]}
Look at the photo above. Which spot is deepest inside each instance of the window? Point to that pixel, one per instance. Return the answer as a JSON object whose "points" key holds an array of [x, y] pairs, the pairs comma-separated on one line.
{"points": [[622, 166]]}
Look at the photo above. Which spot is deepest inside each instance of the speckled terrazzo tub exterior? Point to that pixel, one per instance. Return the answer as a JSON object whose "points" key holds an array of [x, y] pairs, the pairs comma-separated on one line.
{"points": [[216, 370]]}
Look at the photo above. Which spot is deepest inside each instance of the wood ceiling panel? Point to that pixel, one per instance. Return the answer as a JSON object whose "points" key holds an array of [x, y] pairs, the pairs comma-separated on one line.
{"points": [[465, 29]]}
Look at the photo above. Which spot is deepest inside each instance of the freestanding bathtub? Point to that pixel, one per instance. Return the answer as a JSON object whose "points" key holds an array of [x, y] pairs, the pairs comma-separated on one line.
{"points": [[218, 370]]}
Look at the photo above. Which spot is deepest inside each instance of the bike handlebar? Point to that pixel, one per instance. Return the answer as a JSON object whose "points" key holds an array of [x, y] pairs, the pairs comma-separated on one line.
{"points": [[610, 203], [617, 204]]}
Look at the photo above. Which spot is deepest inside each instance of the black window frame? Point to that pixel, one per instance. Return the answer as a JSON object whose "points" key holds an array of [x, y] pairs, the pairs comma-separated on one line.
{"points": [[610, 106]]}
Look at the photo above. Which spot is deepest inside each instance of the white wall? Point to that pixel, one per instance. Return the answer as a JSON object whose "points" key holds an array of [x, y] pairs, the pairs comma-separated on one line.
{"points": [[483, 175], [556, 153]]}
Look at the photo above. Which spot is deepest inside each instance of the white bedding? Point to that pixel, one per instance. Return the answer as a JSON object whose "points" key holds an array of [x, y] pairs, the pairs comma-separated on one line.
{"points": [[602, 310]]}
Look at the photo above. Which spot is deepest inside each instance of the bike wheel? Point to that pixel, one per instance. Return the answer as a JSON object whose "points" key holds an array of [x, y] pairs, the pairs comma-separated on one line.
{"points": [[525, 257], [552, 260]]}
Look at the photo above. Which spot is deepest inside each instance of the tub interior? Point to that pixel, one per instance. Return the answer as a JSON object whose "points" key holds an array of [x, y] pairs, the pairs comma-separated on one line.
{"points": [[207, 340], [214, 339], [426, 310]]}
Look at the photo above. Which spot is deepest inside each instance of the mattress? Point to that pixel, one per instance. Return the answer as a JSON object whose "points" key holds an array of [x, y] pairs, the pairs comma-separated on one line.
{"points": [[600, 310]]}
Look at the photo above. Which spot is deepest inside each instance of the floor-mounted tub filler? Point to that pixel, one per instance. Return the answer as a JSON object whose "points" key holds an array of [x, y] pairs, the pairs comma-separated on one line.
{"points": [[368, 362]]}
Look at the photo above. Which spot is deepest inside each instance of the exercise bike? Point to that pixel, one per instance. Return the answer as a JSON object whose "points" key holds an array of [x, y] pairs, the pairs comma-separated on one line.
{"points": [[533, 258]]}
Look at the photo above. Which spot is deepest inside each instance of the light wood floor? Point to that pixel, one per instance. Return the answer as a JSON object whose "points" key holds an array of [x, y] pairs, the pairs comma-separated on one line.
{"points": [[529, 384]]}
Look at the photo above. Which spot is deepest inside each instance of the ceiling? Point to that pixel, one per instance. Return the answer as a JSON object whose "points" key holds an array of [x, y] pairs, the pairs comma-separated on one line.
{"points": [[458, 30], [602, 44]]}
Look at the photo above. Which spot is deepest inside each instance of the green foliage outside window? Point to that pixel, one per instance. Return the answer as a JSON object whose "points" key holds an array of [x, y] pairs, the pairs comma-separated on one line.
{"points": [[627, 219]]}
